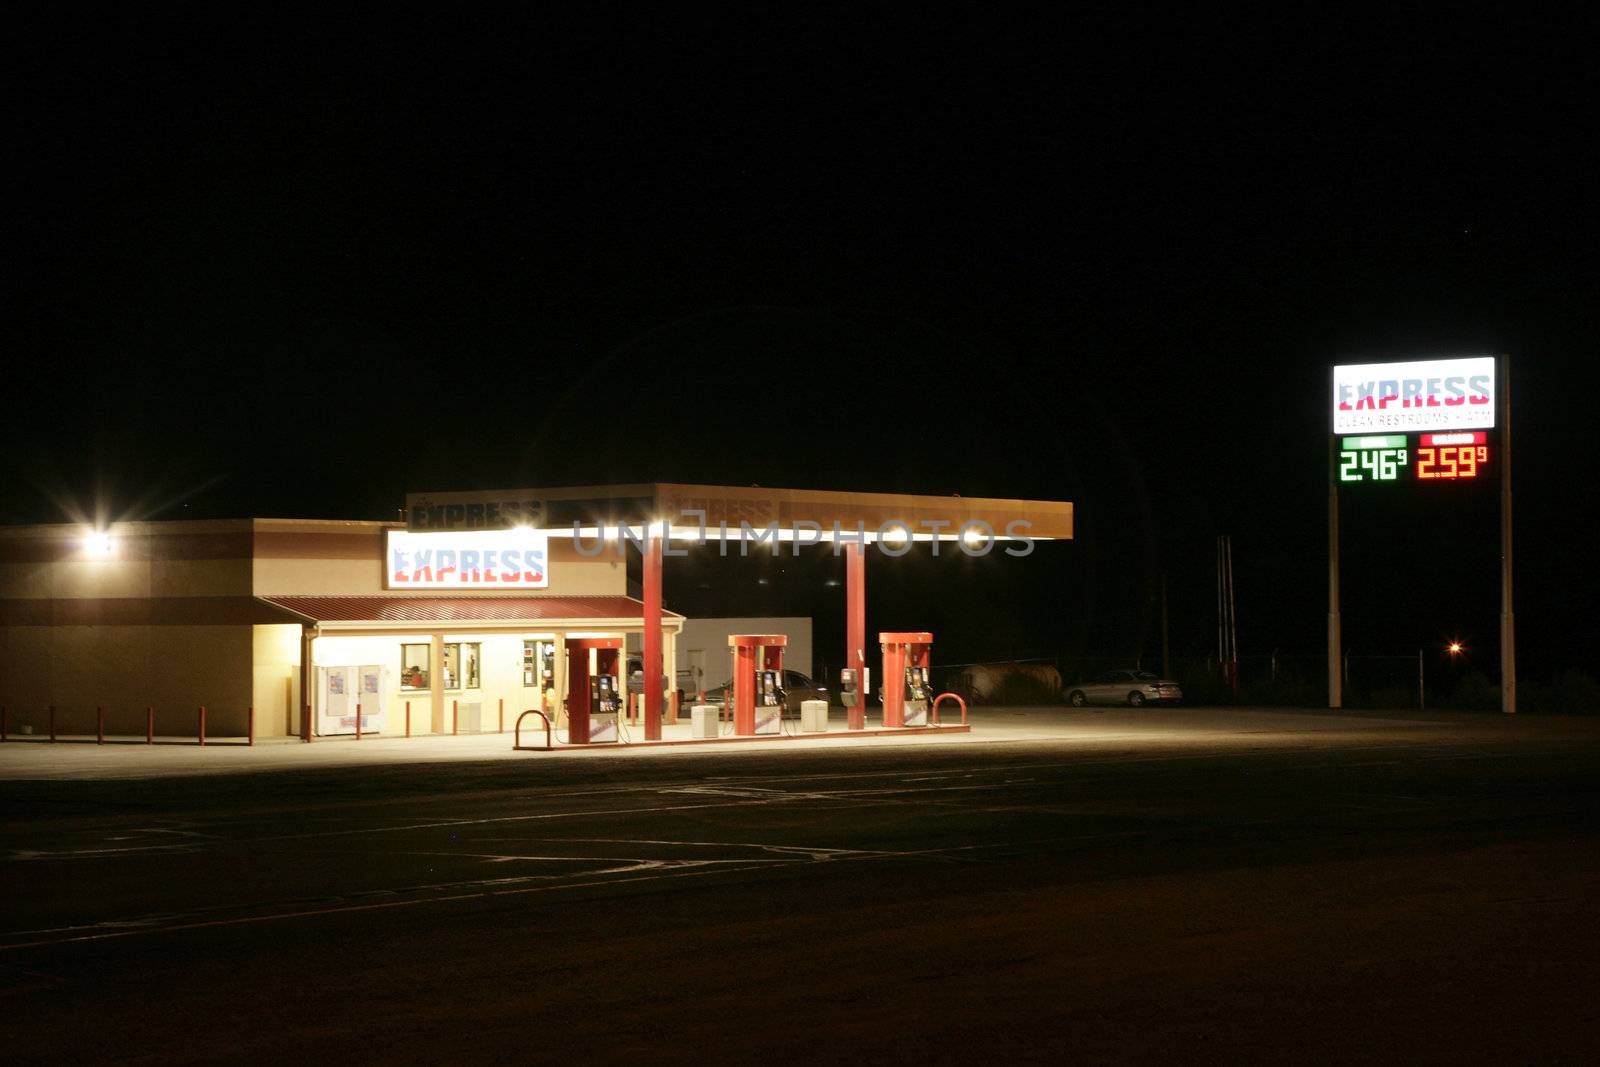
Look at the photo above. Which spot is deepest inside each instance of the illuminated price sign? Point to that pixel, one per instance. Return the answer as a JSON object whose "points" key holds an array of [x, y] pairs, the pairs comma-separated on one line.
{"points": [[1451, 455], [1373, 459], [1391, 458]]}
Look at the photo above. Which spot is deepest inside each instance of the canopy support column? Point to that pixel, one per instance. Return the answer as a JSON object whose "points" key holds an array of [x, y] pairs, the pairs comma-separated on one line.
{"points": [[855, 656], [651, 683]]}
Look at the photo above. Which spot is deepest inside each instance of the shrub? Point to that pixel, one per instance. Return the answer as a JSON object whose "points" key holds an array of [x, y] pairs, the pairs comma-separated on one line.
{"points": [[1474, 692], [1571, 692], [1017, 688]]}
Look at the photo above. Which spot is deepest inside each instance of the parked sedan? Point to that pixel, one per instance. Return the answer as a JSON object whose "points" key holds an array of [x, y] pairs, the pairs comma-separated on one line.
{"points": [[1134, 688]]}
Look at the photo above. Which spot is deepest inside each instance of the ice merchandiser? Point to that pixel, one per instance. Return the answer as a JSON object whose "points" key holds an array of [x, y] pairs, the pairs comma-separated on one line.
{"points": [[758, 695], [341, 690], [906, 692], [594, 689]]}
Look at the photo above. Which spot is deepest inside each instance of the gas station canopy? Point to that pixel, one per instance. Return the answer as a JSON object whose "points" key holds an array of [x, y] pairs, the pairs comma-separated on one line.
{"points": [[685, 507]]}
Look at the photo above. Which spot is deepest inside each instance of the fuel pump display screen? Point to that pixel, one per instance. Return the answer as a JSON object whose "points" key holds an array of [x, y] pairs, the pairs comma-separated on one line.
{"points": [[1451, 455]]}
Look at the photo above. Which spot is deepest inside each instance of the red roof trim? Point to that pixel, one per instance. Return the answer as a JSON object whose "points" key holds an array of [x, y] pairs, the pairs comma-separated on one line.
{"points": [[461, 609]]}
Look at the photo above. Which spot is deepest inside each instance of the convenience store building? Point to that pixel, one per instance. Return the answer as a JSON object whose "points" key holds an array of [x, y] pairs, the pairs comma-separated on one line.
{"points": [[224, 614]]}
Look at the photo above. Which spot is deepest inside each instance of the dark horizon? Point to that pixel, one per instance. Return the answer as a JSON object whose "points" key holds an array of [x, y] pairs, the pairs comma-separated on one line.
{"points": [[299, 269]]}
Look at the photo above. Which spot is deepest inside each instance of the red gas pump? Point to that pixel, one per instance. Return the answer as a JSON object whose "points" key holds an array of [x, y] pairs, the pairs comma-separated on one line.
{"points": [[594, 698], [906, 690], [758, 695]]}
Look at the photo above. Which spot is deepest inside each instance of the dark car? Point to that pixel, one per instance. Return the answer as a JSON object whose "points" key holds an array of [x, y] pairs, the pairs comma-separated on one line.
{"points": [[797, 687], [685, 682], [1133, 688]]}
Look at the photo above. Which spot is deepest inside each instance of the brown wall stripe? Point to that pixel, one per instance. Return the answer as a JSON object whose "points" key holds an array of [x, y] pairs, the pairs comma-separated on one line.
{"points": [[134, 547], [142, 611], [276, 545]]}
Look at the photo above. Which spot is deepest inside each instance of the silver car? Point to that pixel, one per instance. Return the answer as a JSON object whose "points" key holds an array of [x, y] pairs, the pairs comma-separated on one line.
{"points": [[1133, 688]]}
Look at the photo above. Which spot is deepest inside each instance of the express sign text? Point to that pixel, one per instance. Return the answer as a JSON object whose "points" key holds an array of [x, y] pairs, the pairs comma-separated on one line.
{"points": [[482, 559], [1435, 394]]}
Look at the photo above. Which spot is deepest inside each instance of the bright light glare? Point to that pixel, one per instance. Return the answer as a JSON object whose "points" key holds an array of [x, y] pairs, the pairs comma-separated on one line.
{"points": [[973, 537], [895, 535], [1455, 646], [98, 542]]}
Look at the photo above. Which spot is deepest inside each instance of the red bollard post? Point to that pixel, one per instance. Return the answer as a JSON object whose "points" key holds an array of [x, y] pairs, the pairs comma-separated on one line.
{"points": [[52, 722], [455, 717], [408, 718], [149, 725], [502, 716], [99, 725], [250, 726], [202, 725], [358, 720], [305, 724]]}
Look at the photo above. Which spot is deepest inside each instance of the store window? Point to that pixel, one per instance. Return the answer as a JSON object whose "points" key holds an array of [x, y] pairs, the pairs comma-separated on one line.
{"points": [[538, 663], [414, 666], [462, 665]]}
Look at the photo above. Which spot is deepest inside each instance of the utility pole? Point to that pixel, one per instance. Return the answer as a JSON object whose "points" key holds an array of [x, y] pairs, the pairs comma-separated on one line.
{"points": [[1166, 657], [1508, 619], [1227, 625], [1335, 655]]}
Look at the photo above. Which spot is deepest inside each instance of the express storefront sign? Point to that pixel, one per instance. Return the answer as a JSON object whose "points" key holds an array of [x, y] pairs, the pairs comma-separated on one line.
{"points": [[485, 559], [1435, 394]]}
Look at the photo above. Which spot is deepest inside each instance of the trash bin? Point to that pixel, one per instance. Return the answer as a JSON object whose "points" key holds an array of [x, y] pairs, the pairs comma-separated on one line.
{"points": [[813, 716], [703, 720]]}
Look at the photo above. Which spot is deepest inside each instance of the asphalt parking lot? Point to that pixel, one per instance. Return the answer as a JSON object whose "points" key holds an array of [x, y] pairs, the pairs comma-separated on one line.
{"points": [[1200, 884]]}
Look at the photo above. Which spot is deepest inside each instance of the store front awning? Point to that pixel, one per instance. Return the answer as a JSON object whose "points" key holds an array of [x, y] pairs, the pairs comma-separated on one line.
{"points": [[467, 612]]}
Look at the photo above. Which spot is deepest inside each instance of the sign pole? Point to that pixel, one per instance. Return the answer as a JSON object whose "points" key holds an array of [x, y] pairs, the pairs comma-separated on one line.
{"points": [[1335, 673], [1508, 620]]}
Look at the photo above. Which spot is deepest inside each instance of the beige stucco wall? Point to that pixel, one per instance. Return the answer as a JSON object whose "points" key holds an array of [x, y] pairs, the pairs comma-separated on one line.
{"points": [[275, 681], [147, 560], [351, 563], [174, 669], [160, 621]]}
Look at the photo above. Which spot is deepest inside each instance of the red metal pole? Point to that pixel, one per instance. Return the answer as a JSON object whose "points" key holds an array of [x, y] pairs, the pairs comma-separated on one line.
{"points": [[358, 720], [149, 725], [250, 726], [744, 690], [455, 717], [52, 722], [652, 634], [202, 725], [305, 724], [408, 718], [99, 725], [855, 653], [502, 716], [892, 685]]}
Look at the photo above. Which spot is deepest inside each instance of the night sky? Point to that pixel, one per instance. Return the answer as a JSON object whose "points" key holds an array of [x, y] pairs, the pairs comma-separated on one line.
{"points": [[271, 264]]}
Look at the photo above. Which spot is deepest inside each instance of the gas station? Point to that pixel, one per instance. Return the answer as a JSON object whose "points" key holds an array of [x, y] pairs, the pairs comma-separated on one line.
{"points": [[475, 610], [663, 518]]}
